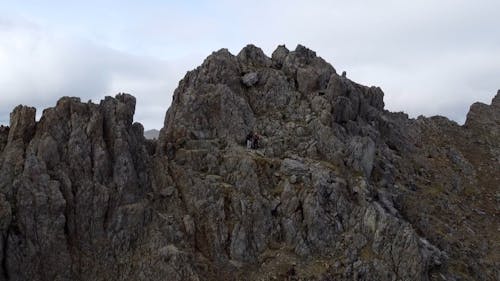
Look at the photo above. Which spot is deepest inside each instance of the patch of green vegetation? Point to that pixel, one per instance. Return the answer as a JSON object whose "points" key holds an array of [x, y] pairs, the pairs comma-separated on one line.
{"points": [[261, 161], [434, 190], [278, 189], [470, 190], [459, 269], [315, 268], [441, 231], [358, 174], [329, 165], [367, 253]]}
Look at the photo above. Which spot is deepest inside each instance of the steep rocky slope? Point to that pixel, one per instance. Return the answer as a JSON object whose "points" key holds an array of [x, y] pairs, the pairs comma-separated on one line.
{"points": [[340, 189]]}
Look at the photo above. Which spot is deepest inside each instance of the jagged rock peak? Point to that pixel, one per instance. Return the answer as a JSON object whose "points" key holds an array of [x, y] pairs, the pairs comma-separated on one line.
{"points": [[496, 100], [304, 51], [4, 134], [22, 123], [253, 56], [484, 116], [227, 95], [223, 52], [73, 181], [279, 55]]}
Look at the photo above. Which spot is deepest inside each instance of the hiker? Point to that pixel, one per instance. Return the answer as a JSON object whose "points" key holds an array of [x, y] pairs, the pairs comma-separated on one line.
{"points": [[255, 141], [250, 140]]}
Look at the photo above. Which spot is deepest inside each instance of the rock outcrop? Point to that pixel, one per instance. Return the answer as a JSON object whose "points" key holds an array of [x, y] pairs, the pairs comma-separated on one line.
{"points": [[340, 188]]}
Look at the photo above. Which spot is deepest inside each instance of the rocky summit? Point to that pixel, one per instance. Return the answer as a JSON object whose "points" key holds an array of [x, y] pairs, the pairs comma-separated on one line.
{"points": [[338, 189]]}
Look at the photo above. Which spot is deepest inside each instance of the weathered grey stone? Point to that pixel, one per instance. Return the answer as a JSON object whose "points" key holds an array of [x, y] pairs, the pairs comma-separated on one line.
{"points": [[279, 55], [4, 135], [343, 110], [250, 79], [253, 56], [22, 124], [362, 154], [293, 167]]}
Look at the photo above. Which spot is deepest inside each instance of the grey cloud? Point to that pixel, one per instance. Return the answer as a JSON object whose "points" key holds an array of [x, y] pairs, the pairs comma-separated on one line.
{"points": [[429, 57], [40, 67]]}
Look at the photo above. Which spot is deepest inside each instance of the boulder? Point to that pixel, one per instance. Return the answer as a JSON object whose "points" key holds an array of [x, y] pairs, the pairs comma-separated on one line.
{"points": [[250, 79]]}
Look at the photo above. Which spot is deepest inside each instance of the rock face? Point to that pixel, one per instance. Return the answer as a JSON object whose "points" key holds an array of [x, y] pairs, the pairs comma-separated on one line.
{"points": [[340, 189]]}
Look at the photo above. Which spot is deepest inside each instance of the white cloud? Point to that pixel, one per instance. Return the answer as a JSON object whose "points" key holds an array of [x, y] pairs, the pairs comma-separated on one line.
{"points": [[37, 67], [428, 57]]}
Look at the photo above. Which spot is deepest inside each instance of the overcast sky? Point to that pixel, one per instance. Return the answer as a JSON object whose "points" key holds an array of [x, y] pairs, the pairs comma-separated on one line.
{"points": [[429, 57]]}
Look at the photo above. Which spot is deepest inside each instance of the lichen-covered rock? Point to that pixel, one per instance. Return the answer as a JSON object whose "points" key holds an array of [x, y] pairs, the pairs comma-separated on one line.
{"points": [[83, 170], [485, 117], [252, 56], [250, 79], [279, 55], [340, 189]]}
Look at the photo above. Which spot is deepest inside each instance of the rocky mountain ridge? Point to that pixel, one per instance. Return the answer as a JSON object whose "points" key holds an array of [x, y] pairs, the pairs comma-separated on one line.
{"points": [[152, 134], [341, 189]]}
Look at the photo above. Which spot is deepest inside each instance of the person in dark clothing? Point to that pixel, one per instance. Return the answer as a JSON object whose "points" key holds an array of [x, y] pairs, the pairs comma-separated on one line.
{"points": [[250, 140], [255, 141]]}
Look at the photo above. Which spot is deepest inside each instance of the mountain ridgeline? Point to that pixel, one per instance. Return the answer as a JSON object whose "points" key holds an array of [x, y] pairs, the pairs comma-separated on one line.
{"points": [[340, 188]]}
